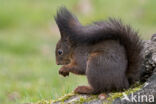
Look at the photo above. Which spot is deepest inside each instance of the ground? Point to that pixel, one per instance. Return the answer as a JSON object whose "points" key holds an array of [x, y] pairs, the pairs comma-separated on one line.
{"points": [[90, 99]]}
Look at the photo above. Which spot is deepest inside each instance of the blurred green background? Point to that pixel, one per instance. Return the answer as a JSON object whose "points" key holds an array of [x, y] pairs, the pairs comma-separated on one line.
{"points": [[28, 35]]}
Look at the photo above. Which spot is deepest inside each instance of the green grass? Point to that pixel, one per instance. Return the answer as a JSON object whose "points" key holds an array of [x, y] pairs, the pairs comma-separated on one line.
{"points": [[28, 35]]}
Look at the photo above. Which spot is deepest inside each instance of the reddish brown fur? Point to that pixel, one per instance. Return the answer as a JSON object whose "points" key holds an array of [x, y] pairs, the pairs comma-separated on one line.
{"points": [[94, 54], [71, 67], [84, 90]]}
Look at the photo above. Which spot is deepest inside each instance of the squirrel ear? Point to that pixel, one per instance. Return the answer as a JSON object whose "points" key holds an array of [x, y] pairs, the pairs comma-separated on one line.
{"points": [[66, 22]]}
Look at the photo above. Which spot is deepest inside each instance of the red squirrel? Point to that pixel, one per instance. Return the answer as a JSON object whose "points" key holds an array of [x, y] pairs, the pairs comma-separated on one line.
{"points": [[107, 52]]}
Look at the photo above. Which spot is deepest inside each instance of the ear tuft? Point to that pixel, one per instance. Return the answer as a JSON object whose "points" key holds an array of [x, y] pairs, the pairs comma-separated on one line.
{"points": [[65, 21]]}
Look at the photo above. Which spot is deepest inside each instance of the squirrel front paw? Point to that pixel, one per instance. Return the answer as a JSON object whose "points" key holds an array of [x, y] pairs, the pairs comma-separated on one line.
{"points": [[64, 72]]}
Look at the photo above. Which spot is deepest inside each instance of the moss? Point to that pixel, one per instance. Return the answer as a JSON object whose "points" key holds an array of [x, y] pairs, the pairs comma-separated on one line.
{"points": [[63, 98], [79, 101], [115, 95], [83, 100]]}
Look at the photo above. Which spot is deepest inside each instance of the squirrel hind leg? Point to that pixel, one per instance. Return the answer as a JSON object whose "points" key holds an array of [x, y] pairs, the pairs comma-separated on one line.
{"points": [[106, 72], [84, 90]]}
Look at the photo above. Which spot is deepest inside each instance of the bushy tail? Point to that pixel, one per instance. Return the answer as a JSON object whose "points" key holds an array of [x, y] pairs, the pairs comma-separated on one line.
{"points": [[113, 30]]}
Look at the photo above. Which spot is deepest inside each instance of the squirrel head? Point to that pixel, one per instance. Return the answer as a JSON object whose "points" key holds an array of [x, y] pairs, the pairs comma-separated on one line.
{"points": [[67, 24], [63, 52]]}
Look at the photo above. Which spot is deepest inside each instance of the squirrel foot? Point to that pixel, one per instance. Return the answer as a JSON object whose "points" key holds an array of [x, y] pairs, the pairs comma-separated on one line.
{"points": [[83, 90]]}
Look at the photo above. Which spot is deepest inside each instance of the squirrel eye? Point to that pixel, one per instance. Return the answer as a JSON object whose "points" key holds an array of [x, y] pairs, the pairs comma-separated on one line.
{"points": [[60, 52]]}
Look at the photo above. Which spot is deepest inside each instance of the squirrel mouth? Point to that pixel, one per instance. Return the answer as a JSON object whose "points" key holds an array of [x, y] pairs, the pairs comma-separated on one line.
{"points": [[65, 62]]}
